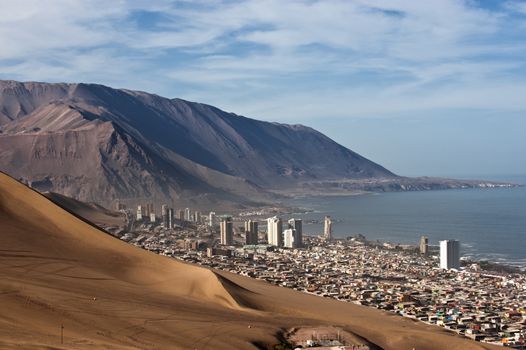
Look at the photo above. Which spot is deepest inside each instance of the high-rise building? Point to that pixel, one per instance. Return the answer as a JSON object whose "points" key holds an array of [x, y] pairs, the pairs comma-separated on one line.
{"points": [[140, 211], [450, 254], [197, 217], [187, 214], [297, 225], [169, 218], [327, 228], [180, 214], [211, 218], [275, 231], [164, 207], [227, 230], [288, 236], [152, 217], [147, 210], [251, 232], [164, 213], [424, 245]]}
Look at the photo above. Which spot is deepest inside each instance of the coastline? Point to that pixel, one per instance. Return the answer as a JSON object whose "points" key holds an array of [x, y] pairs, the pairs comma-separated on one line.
{"points": [[396, 221], [484, 264]]}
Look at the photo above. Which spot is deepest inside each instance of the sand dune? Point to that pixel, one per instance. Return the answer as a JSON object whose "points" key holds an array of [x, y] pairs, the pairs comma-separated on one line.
{"points": [[93, 212], [56, 269]]}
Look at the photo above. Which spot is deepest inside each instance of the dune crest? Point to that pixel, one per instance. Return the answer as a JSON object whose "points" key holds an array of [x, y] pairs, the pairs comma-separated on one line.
{"points": [[63, 236]]}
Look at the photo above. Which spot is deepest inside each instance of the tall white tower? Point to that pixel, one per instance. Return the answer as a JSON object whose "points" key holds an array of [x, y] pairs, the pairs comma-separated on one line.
{"points": [[288, 235], [227, 230], [450, 254], [211, 218], [327, 228], [297, 226], [169, 218], [275, 231], [424, 245]]}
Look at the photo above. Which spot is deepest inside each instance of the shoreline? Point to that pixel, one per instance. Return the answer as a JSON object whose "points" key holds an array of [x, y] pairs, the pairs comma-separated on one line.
{"points": [[485, 264], [497, 266], [510, 261], [292, 196]]}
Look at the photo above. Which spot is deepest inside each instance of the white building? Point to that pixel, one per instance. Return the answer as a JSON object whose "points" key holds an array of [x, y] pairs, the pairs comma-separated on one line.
{"points": [[327, 228], [169, 218], [139, 212], [297, 226], [227, 230], [450, 254], [288, 236], [211, 218], [274, 231], [187, 214], [424, 245]]}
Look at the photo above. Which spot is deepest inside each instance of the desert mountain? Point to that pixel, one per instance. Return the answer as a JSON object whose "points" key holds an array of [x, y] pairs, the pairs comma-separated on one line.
{"points": [[57, 270], [95, 143]]}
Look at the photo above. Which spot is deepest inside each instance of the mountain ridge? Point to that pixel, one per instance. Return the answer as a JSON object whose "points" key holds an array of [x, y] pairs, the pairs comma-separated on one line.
{"points": [[169, 149]]}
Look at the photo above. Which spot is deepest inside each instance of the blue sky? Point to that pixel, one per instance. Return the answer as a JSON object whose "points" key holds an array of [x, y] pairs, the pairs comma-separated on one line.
{"points": [[435, 87]]}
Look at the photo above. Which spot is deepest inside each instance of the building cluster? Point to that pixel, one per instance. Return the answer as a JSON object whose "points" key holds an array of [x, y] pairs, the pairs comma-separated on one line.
{"points": [[291, 237], [432, 289], [324, 338], [449, 252], [478, 305], [168, 216], [146, 212]]}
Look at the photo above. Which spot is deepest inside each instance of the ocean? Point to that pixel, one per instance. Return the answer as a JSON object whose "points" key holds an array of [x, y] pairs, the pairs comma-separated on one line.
{"points": [[489, 223]]}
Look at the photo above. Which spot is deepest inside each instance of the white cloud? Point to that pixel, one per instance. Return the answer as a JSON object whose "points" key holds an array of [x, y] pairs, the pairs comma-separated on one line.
{"points": [[341, 58]]}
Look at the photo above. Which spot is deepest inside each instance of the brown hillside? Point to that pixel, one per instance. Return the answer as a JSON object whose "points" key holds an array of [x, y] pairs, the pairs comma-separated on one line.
{"points": [[90, 211]]}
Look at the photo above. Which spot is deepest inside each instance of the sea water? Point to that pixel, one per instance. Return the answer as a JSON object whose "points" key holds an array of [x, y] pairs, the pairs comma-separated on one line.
{"points": [[489, 223]]}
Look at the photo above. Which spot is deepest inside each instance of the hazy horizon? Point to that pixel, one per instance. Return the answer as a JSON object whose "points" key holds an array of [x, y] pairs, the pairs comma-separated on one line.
{"points": [[430, 88]]}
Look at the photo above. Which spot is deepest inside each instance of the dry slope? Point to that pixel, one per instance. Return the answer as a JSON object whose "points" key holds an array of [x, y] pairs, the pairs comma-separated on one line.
{"points": [[93, 212], [96, 143]]}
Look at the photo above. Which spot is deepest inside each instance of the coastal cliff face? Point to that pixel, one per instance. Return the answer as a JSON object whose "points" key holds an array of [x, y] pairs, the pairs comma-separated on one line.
{"points": [[96, 143]]}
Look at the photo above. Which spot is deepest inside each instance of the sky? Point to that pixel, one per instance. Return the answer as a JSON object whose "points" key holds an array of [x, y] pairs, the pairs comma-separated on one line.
{"points": [[435, 87]]}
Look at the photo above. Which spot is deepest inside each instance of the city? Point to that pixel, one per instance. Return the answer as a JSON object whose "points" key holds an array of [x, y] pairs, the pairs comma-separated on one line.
{"points": [[415, 282]]}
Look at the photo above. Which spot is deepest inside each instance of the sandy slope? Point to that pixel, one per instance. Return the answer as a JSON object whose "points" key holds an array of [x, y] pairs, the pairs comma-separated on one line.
{"points": [[56, 269], [90, 211]]}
